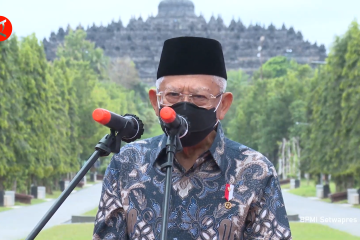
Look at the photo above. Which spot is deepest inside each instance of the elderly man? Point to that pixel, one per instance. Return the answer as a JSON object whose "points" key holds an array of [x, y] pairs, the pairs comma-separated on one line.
{"points": [[221, 189]]}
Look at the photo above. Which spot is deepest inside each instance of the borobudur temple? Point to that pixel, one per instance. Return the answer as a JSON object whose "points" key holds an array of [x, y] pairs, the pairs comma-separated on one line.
{"points": [[142, 40]]}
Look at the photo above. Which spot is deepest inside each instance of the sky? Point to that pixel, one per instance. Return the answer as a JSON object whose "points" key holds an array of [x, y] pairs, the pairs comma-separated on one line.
{"points": [[318, 20]]}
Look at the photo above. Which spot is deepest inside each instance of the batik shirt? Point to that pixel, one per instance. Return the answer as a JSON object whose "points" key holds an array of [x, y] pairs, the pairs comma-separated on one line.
{"points": [[133, 189]]}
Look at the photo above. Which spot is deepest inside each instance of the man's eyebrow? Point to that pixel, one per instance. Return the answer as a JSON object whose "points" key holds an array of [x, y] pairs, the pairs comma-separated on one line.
{"points": [[170, 87], [199, 89]]}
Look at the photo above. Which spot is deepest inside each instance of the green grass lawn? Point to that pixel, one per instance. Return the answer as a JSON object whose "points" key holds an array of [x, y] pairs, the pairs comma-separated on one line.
{"points": [[300, 231], [304, 190], [308, 189], [79, 231], [313, 231], [91, 213], [2, 209]]}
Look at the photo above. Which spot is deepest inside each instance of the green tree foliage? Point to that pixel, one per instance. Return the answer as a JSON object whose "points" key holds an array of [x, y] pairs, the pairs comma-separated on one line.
{"points": [[268, 109], [86, 65], [237, 82], [123, 73], [36, 108], [46, 123], [47, 130], [11, 127], [350, 100], [65, 117], [77, 49], [334, 112]]}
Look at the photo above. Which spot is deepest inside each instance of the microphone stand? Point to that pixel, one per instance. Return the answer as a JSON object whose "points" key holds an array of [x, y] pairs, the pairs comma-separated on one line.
{"points": [[173, 145], [108, 144]]}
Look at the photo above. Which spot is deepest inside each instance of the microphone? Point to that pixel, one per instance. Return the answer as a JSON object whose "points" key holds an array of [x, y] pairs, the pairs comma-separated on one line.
{"points": [[173, 122], [130, 126]]}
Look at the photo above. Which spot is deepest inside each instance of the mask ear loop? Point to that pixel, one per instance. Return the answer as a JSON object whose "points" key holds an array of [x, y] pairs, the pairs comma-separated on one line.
{"points": [[216, 110], [218, 104], [157, 100], [187, 127]]}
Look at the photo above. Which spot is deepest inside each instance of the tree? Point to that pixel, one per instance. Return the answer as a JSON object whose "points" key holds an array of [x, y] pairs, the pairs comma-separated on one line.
{"points": [[333, 108], [64, 105], [350, 101], [122, 71], [12, 142], [36, 109], [87, 67], [268, 108], [236, 83], [77, 48]]}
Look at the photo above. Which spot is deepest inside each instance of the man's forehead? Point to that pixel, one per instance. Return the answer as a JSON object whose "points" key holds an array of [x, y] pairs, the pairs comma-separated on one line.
{"points": [[194, 82]]}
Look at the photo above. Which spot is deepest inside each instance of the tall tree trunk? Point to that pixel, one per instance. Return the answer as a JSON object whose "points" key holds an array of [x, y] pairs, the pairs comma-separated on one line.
{"points": [[2, 187], [14, 185], [49, 187]]}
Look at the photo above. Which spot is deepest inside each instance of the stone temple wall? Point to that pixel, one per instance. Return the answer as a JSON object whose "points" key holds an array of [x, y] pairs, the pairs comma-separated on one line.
{"points": [[142, 41]]}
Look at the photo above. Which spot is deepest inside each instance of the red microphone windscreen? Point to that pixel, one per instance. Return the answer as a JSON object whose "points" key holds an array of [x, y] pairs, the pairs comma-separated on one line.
{"points": [[101, 116], [167, 114]]}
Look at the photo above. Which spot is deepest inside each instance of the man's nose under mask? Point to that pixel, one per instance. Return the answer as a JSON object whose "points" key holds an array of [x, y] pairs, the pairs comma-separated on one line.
{"points": [[200, 121]]}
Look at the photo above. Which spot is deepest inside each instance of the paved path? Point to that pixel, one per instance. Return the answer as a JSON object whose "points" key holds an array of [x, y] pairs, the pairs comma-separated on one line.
{"points": [[316, 211], [18, 223]]}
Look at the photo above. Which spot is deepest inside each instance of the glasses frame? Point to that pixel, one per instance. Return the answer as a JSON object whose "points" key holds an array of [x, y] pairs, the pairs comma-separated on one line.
{"points": [[212, 97]]}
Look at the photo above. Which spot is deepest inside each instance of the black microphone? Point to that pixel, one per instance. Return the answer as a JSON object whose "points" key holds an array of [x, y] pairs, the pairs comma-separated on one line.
{"points": [[173, 122], [130, 126]]}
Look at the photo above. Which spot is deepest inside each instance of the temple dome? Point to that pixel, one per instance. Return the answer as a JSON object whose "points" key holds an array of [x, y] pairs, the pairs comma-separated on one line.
{"points": [[176, 8]]}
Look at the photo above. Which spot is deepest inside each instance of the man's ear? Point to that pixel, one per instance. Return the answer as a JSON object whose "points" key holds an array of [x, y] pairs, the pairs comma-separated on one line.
{"points": [[153, 100], [226, 101]]}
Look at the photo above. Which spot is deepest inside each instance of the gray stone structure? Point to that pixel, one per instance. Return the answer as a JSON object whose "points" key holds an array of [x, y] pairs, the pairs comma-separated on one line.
{"points": [[142, 41]]}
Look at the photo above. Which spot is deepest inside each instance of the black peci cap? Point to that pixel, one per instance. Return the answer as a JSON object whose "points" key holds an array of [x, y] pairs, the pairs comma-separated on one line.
{"points": [[191, 56]]}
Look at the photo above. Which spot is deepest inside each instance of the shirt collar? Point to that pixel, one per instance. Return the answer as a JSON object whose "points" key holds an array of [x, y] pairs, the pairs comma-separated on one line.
{"points": [[217, 148], [159, 149]]}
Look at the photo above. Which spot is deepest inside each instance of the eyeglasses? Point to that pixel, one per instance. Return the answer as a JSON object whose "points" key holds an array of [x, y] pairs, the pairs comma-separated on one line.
{"points": [[204, 100]]}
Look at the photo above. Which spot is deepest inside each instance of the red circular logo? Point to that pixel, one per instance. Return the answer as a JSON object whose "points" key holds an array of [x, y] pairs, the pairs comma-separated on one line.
{"points": [[5, 28]]}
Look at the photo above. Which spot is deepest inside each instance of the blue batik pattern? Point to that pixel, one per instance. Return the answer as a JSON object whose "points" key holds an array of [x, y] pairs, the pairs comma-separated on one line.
{"points": [[131, 202]]}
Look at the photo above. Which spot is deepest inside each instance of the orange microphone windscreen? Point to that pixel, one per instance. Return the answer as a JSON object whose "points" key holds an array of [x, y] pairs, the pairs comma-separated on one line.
{"points": [[101, 116], [167, 114]]}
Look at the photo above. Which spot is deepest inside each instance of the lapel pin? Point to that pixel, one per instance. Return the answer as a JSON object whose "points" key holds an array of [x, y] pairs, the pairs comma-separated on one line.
{"points": [[228, 205], [229, 194]]}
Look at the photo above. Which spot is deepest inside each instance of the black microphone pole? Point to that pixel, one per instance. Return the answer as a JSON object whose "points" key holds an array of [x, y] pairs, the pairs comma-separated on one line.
{"points": [[64, 195], [110, 143], [173, 145], [170, 153]]}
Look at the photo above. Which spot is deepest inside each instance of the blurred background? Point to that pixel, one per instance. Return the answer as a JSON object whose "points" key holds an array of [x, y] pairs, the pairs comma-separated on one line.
{"points": [[293, 67]]}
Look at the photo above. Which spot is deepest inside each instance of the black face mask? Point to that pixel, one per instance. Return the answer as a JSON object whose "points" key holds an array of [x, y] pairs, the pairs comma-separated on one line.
{"points": [[201, 122]]}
